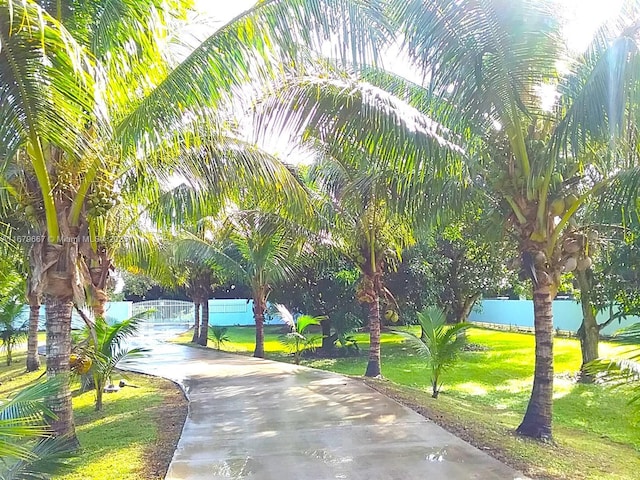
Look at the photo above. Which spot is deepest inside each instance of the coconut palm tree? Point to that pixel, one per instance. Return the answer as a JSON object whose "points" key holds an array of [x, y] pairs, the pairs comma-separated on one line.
{"points": [[75, 138], [485, 64], [538, 162], [298, 340], [374, 182], [439, 344], [259, 249], [104, 346]]}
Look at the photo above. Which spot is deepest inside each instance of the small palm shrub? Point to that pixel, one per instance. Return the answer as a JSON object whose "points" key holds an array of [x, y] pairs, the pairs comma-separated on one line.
{"points": [[102, 348], [12, 331], [297, 339], [439, 344], [218, 335]]}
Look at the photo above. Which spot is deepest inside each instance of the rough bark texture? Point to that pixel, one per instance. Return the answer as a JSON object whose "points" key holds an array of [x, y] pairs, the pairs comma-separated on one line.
{"points": [[196, 322], [259, 307], [204, 323], [465, 310], [538, 417], [98, 307], [33, 360], [58, 351], [589, 331], [373, 366]]}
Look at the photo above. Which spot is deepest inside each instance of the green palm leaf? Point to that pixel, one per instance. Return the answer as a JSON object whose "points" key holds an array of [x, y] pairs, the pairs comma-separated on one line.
{"points": [[46, 93], [255, 45]]}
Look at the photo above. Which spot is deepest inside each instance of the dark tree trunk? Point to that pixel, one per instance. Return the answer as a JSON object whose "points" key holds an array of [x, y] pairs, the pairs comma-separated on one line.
{"points": [[58, 312], [589, 331], [327, 341], [33, 360], [467, 305], [196, 322], [259, 307], [204, 323], [373, 367], [538, 417]]}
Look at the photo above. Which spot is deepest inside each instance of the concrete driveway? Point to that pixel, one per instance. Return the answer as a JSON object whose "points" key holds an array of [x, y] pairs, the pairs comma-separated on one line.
{"points": [[263, 420]]}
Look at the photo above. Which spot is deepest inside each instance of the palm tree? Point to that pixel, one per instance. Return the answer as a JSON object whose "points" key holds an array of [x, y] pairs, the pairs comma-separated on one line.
{"points": [[103, 345], [297, 338], [439, 344], [365, 230], [484, 64], [537, 164], [219, 335], [26, 445], [254, 247], [377, 162], [11, 333], [74, 142]]}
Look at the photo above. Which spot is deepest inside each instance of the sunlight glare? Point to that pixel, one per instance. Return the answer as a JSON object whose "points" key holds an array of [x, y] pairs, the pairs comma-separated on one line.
{"points": [[584, 17]]}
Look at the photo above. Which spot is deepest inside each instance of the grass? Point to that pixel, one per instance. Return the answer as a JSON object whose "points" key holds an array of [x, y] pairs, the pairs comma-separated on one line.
{"points": [[120, 442], [597, 433]]}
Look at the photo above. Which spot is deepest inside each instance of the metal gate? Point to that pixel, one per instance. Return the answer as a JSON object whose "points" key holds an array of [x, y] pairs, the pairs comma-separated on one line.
{"points": [[166, 312]]}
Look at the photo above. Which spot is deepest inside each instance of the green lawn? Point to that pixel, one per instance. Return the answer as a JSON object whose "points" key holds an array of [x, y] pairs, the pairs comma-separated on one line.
{"points": [[123, 441], [597, 433]]}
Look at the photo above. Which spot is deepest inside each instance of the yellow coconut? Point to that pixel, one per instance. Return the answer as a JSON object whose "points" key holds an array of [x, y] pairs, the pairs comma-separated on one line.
{"points": [[557, 207]]}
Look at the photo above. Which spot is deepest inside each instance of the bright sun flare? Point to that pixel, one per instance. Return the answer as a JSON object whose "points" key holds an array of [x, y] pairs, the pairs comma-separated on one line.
{"points": [[583, 16]]}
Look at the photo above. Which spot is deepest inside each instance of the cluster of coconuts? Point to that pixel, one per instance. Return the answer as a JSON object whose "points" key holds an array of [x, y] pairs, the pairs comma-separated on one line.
{"points": [[65, 180], [391, 315], [101, 198], [574, 255], [80, 363], [559, 205]]}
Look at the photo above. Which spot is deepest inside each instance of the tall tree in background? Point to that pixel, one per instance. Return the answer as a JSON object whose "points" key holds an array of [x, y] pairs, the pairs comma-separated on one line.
{"points": [[254, 247]]}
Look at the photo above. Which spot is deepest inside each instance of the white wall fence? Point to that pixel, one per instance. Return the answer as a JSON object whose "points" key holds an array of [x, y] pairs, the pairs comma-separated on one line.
{"points": [[567, 315]]}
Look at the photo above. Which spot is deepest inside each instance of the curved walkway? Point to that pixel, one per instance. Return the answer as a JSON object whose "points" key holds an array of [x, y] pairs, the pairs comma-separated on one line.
{"points": [[263, 420]]}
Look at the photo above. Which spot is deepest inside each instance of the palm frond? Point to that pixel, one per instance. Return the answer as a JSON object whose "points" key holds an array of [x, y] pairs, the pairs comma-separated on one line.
{"points": [[24, 415], [49, 456], [597, 95], [272, 34]]}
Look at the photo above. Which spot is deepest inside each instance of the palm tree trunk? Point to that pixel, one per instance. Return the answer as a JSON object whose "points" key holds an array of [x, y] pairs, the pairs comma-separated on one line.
{"points": [[196, 322], [589, 331], [204, 324], [99, 306], [538, 417], [58, 351], [373, 367], [33, 360], [259, 307], [99, 384]]}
